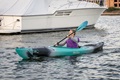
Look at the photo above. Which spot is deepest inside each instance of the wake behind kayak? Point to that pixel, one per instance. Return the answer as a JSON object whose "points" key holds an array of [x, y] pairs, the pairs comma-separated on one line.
{"points": [[28, 53]]}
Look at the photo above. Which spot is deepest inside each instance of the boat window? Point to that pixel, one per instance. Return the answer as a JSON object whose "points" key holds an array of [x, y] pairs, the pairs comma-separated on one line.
{"points": [[59, 14], [63, 13]]}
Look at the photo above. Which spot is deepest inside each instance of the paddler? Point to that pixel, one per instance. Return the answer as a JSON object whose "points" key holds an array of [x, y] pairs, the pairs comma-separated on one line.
{"points": [[72, 40]]}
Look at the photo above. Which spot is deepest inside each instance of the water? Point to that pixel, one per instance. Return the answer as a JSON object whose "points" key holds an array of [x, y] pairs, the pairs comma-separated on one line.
{"points": [[104, 65]]}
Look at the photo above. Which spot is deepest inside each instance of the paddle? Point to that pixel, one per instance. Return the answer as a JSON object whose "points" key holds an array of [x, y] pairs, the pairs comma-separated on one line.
{"points": [[83, 25]]}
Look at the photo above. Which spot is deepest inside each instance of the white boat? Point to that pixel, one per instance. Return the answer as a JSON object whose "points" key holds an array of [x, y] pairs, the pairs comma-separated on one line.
{"points": [[21, 16]]}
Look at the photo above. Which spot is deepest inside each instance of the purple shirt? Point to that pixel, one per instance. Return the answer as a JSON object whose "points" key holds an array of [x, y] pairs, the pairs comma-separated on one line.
{"points": [[72, 43]]}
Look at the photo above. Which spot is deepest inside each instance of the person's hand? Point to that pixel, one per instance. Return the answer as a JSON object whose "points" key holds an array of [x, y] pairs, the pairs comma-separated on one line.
{"points": [[69, 36], [56, 44]]}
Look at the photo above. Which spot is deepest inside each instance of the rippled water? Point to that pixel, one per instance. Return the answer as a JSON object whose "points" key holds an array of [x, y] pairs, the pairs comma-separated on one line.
{"points": [[104, 65]]}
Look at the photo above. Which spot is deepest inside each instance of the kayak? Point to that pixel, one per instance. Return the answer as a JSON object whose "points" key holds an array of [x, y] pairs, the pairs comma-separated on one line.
{"points": [[51, 51]]}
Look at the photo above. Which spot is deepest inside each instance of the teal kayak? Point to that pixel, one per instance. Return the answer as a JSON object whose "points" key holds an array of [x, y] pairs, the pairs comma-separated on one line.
{"points": [[51, 51]]}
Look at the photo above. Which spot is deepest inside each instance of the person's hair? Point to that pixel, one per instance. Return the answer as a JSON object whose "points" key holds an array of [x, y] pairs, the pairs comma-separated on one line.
{"points": [[74, 31]]}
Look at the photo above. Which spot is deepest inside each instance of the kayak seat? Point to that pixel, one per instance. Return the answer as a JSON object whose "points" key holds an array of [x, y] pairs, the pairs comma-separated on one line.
{"points": [[43, 51]]}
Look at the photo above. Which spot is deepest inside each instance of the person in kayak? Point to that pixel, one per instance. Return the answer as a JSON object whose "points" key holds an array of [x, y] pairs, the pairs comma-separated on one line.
{"points": [[72, 41]]}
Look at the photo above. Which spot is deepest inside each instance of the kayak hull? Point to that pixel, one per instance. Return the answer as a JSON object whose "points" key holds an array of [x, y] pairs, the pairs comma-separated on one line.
{"points": [[28, 53]]}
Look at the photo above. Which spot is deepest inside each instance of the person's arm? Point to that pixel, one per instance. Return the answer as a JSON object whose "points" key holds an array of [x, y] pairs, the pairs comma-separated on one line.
{"points": [[75, 39], [60, 44]]}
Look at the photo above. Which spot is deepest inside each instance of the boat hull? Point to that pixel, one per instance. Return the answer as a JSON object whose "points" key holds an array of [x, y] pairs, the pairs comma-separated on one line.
{"points": [[28, 53], [50, 22]]}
